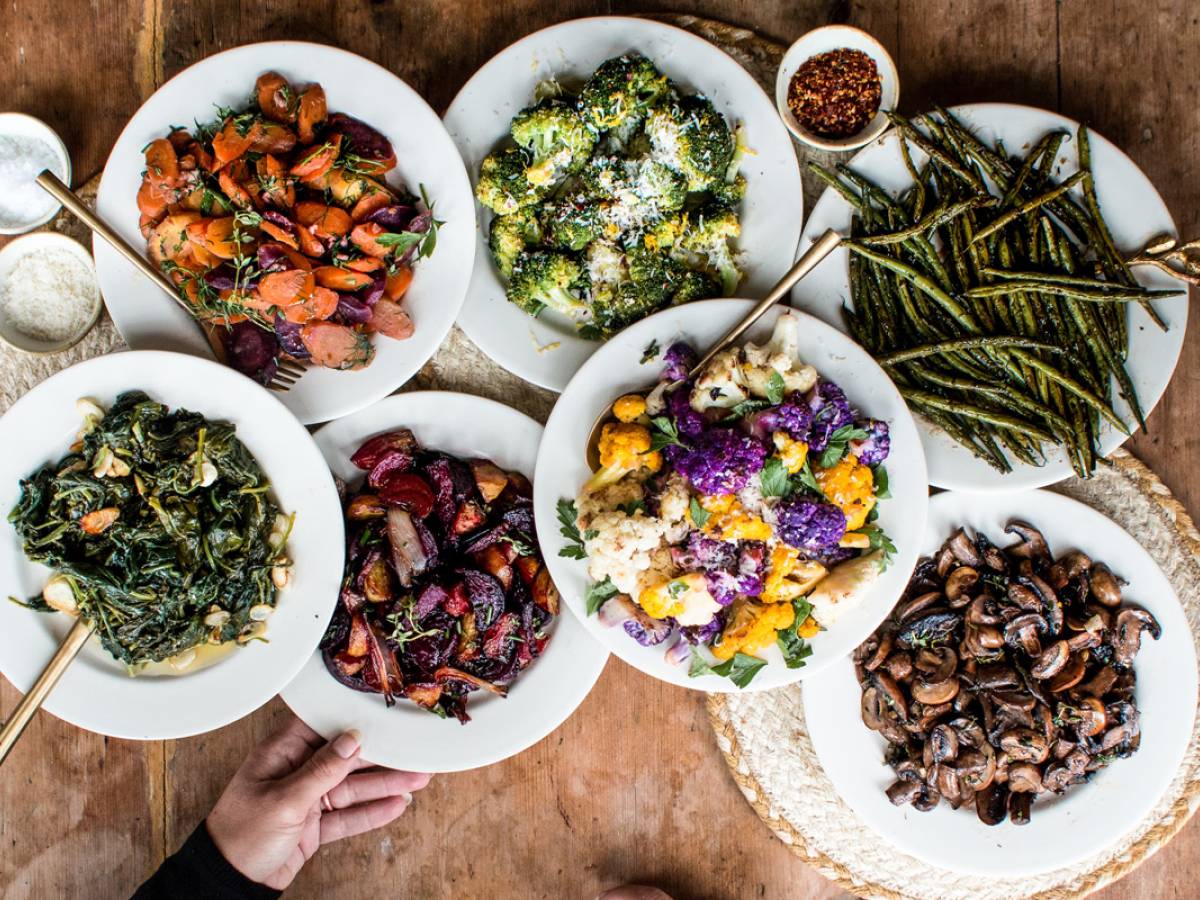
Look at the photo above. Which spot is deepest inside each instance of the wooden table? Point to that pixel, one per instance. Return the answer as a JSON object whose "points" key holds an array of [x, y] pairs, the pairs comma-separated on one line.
{"points": [[632, 787]]}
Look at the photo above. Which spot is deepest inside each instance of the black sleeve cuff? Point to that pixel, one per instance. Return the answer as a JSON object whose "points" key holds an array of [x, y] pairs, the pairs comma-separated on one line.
{"points": [[199, 871]]}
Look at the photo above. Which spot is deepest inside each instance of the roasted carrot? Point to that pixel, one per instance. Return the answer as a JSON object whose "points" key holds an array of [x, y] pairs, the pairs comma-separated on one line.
{"points": [[282, 289], [369, 204], [228, 144], [277, 188], [275, 96], [320, 304], [235, 192], [319, 160], [310, 244], [336, 346], [398, 282], [162, 164], [325, 221], [312, 112], [340, 279], [271, 137], [365, 264], [366, 238], [389, 318], [150, 201]]}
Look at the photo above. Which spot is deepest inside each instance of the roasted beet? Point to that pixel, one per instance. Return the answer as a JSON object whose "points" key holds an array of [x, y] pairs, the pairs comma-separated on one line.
{"points": [[486, 596], [372, 292], [453, 485], [457, 602], [252, 351], [390, 463], [469, 517], [366, 456], [364, 140], [499, 639], [433, 648], [271, 258], [338, 628], [519, 518], [288, 335], [431, 597], [408, 491], [352, 311], [396, 217]]}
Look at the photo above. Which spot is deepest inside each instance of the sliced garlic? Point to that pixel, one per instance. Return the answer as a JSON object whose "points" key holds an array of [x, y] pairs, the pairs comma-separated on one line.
{"points": [[183, 660], [59, 595], [208, 473], [102, 464], [118, 468], [259, 612], [216, 617], [281, 573], [91, 412]]}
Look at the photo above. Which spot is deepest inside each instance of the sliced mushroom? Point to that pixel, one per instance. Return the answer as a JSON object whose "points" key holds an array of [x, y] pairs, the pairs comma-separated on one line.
{"points": [[881, 652], [945, 561], [980, 613], [1075, 563], [1022, 633], [962, 548], [996, 676], [935, 692], [938, 664], [993, 557], [927, 800], [1032, 545], [899, 665], [1024, 745], [934, 626], [1051, 606], [1131, 622], [1052, 661], [925, 717], [1100, 683], [1105, 587], [1069, 676], [1018, 808], [904, 792], [991, 804], [1024, 778], [910, 608], [977, 770], [959, 585], [1025, 597], [890, 693], [948, 785]]}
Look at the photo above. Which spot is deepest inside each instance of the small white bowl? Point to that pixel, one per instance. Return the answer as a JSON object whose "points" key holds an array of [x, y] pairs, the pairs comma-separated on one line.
{"points": [[13, 124], [822, 40], [13, 252]]}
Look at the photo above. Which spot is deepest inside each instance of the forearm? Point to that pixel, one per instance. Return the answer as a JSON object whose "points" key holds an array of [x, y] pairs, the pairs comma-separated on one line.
{"points": [[198, 870]]}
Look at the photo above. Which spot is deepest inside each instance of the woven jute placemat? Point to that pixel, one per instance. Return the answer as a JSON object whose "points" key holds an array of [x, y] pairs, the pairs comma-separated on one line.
{"points": [[771, 756]]}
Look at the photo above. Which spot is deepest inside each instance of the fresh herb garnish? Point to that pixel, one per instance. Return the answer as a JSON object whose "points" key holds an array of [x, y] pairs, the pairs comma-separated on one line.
{"points": [[632, 507], [699, 514], [882, 491], [743, 409], [664, 434], [651, 352], [677, 589], [838, 443], [519, 541], [795, 648], [740, 668], [806, 477], [774, 478], [775, 389], [567, 516], [880, 541], [597, 593]]}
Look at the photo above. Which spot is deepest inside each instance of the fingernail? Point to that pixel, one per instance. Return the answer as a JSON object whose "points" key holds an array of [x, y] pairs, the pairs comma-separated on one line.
{"points": [[407, 798], [347, 744]]}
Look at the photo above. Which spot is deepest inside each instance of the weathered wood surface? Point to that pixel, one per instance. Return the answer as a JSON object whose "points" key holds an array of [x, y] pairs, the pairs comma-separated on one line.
{"points": [[632, 786]]}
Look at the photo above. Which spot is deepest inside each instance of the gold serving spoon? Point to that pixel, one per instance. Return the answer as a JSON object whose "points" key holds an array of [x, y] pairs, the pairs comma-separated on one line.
{"points": [[11, 730], [287, 374], [822, 247]]}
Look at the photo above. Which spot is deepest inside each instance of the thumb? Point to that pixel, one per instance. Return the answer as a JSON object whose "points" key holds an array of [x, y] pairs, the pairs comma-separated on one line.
{"points": [[325, 769]]}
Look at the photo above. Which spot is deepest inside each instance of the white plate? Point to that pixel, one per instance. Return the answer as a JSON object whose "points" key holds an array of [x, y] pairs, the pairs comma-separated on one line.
{"points": [[616, 369], [1088, 818], [96, 693], [406, 736], [478, 120], [1134, 212], [353, 85]]}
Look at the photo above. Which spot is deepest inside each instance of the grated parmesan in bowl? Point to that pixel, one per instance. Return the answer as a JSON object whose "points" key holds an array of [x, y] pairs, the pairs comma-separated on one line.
{"points": [[49, 297]]}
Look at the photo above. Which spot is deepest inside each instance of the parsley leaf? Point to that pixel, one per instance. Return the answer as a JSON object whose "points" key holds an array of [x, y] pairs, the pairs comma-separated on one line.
{"points": [[677, 589], [664, 434], [775, 389], [651, 352], [882, 491], [806, 477], [795, 648], [632, 507], [838, 442], [744, 409], [774, 478], [567, 516], [699, 514], [597, 593], [880, 541], [740, 669]]}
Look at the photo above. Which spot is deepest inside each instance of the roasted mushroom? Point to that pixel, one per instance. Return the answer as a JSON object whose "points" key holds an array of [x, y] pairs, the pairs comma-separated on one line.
{"points": [[1003, 674]]}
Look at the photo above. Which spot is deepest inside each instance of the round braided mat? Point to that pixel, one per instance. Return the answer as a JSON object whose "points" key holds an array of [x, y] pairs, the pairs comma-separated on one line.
{"points": [[770, 754]]}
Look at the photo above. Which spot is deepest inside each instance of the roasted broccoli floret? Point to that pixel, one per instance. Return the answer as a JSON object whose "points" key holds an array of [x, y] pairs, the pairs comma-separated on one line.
{"points": [[621, 87], [693, 138], [573, 222], [556, 138], [693, 284], [625, 304], [729, 193], [704, 243], [503, 186], [661, 186], [654, 272], [542, 278], [604, 175], [510, 235]]}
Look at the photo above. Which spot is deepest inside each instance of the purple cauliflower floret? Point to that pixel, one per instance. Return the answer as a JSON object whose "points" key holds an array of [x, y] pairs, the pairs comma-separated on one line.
{"points": [[703, 634], [688, 422], [874, 448], [831, 411], [792, 416], [721, 461], [752, 563], [725, 585], [703, 552], [808, 524], [647, 631], [831, 556], [678, 361]]}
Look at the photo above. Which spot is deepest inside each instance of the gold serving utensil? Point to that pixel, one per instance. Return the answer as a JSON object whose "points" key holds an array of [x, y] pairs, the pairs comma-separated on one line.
{"points": [[1178, 260], [11, 730], [286, 375], [822, 247]]}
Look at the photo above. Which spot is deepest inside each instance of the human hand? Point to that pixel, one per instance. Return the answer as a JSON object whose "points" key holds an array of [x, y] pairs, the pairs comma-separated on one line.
{"points": [[294, 793]]}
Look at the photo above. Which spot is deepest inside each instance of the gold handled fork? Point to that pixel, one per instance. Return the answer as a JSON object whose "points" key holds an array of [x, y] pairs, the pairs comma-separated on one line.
{"points": [[286, 375]]}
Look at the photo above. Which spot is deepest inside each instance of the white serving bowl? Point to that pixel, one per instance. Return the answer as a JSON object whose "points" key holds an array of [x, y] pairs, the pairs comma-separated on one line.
{"points": [[822, 40], [12, 253]]}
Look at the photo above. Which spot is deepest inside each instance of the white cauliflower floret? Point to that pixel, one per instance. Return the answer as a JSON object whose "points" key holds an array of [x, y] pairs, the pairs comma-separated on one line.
{"points": [[720, 385], [673, 507], [592, 503], [622, 548]]}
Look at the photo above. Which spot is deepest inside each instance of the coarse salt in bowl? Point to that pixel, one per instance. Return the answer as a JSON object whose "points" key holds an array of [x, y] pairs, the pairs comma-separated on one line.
{"points": [[27, 146], [49, 296]]}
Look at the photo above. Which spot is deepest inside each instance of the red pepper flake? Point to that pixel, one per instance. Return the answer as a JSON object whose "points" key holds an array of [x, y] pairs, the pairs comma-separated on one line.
{"points": [[835, 94]]}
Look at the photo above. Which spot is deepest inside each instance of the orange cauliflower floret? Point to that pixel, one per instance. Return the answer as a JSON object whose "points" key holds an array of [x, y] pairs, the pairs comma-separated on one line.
{"points": [[752, 627], [624, 448], [630, 408], [850, 486], [791, 453], [729, 520], [789, 576], [686, 599]]}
